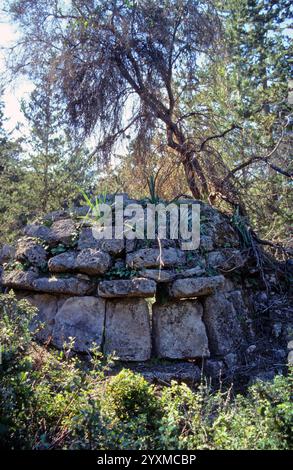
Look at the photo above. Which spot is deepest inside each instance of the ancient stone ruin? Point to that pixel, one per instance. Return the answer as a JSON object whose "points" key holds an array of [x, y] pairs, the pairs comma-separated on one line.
{"points": [[138, 299]]}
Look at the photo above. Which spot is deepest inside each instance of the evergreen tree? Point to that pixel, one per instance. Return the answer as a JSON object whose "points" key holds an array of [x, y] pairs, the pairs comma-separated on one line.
{"points": [[260, 51], [55, 166], [11, 180], [247, 86]]}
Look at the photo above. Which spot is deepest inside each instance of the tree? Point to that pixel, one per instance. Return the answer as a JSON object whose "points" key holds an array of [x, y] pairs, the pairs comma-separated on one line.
{"points": [[11, 181], [112, 57], [249, 85], [55, 168], [260, 51]]}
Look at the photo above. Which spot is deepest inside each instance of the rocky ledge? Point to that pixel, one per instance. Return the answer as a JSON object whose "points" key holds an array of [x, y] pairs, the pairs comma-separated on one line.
{"points": [[136, 299]]}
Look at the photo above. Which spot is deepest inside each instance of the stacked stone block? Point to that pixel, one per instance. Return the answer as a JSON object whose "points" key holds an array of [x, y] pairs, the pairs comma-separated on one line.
{"points": [[131, 298]]}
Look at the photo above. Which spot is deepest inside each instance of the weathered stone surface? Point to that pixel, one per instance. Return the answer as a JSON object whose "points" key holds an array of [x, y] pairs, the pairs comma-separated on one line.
{"points": [[195, 287], [197, 271], [62, 231], [17, 279], [6, 253], [136, 287], [220, 230], [155, 243], [29, 251], [167, 275], [81, 318], [228, 286], [87, 240], [223, 326], [43, 322], [92, 261], [226, 259], [162, 373], [178, 330], [119, 264], [153, 257], [158, 275], [161, 265], [70, 286], [63, 262], [37, 231], [88, 261], [127, 330]]}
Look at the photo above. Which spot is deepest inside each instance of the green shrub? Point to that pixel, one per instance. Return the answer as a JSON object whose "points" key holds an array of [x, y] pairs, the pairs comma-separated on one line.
{"points": [[51, 399], [204, 420], [15, 333], [128, 395], [262, 420]]}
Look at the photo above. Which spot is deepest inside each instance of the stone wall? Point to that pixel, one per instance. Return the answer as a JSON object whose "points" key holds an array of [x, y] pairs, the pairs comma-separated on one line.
{"points": [[135, 298]]}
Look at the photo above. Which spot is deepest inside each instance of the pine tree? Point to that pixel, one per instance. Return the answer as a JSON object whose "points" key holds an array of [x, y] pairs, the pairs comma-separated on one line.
{"points": [[260, 52], [11, 181], [56, 167], [248, 85]]}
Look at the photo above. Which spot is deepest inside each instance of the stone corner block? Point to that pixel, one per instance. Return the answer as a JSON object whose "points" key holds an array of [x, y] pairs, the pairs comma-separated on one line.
{"points": [[136, 287], [195, 287]]}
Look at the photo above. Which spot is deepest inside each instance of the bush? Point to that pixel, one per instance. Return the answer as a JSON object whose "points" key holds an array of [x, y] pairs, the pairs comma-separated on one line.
{"points": [[204, 420], [128, 395], [15, 333], [51, 399]]}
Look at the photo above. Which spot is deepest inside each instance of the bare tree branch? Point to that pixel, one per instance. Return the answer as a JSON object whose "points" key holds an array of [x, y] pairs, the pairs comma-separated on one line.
{"points": [[218, 136]]}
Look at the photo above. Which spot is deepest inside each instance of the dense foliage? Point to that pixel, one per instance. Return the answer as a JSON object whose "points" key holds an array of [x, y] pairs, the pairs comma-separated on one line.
{"points": [[172, 98], [197, 101], [53, 400]]}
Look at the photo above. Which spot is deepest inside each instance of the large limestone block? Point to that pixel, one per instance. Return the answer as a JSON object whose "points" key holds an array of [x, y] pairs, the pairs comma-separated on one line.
{"points": [[62, 263], [47, 306], [70, 285], [153, 257], [127, 330], [223, 324], [88, 261], [81, 318], [178, 330], [195, 287], [136, 287], [29, 251], [87, 240], [92, 261], [62, 231]]}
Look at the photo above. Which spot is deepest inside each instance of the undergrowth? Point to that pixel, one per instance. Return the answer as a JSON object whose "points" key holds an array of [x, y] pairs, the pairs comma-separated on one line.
{"points": [[53, 400]]}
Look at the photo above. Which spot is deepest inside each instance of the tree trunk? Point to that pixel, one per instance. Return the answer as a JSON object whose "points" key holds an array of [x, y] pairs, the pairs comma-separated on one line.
{"points": [[195, 177]]}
